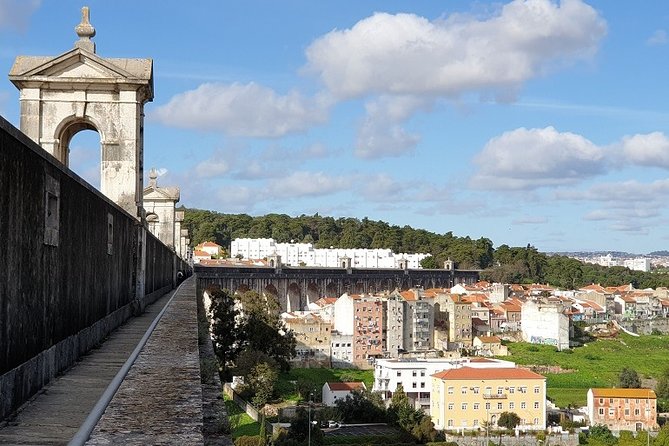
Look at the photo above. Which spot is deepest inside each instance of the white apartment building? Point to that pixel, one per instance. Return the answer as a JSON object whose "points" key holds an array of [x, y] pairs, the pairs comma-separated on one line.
{"points": [[342, 350], [638, 264], [545, 323], [415, 375], [304, 254]]}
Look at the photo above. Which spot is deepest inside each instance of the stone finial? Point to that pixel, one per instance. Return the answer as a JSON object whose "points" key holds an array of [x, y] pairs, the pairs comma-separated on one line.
{"points": [[153, 175], [85, 31]]}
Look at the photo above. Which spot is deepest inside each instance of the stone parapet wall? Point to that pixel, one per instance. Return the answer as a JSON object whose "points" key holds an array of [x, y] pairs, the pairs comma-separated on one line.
{"points": [[75, 267]]}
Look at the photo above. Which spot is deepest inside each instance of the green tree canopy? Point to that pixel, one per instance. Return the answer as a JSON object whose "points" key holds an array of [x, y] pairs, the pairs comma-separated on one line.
{"points": [[629, 378], [508, 420]]}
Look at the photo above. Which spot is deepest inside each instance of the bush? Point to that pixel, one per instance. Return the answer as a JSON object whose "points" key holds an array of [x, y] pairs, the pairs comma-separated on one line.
{"points": [[248, 440]]}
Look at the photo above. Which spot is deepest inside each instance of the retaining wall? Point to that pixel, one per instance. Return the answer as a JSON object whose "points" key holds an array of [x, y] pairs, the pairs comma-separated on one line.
{"points": [[75, 267]]}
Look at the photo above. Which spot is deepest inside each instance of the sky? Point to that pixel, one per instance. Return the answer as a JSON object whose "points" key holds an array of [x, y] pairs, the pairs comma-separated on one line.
{"points": [[537, 121]]}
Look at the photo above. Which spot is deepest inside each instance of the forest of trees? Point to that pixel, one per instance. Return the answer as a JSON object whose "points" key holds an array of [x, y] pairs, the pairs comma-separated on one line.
{"points": [[504, 264]]}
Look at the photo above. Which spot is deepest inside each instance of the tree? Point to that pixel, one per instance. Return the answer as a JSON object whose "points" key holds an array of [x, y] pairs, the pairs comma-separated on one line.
{"points": [[430, 262], [222, 314], [662, 386], [357, 408], [508, 420], [601, 435], [261, 381], [300, 426], [629, 379]]}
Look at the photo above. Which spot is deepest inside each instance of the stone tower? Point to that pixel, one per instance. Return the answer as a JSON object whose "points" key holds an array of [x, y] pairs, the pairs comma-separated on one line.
{"points": [[79, 90]]}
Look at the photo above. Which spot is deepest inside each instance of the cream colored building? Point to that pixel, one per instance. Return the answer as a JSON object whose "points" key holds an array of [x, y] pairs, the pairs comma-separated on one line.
{"points": [[465, 398], [313, 336]]}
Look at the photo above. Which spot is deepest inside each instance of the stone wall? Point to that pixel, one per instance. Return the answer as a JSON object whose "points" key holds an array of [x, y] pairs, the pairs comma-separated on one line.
{"points": [[521, 440], [647, 326], [71, 263]]}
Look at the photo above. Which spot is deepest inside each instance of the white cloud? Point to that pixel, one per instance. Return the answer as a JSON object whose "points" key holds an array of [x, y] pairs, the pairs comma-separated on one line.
{"points": [[381, 133], [408, 54], [530, 220], [533, 158], [212, 168], [650, 149], [305, 184], [14, 14], [242, 110], [659, 37]]}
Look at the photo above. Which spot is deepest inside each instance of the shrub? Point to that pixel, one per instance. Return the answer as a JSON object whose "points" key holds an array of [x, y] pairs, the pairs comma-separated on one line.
{"points": [[248, 440]]}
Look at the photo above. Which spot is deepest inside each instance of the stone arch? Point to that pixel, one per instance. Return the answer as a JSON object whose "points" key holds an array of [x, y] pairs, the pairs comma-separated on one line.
{"points": [[358, 288], [332, 289], [65, 131], [313, 292], [242, 288], [293, 297], [270, 290]]}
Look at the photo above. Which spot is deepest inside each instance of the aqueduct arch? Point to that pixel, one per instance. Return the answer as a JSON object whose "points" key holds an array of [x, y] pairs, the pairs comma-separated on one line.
{"points": [[79, 90]]}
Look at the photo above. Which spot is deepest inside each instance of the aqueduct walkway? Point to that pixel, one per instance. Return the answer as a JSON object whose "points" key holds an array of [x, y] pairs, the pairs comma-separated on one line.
{"points": [[160, 400]]}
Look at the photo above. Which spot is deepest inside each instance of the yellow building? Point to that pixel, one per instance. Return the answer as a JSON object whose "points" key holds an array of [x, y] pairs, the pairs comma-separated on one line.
{"points": [[313, 338], [465, 398]]}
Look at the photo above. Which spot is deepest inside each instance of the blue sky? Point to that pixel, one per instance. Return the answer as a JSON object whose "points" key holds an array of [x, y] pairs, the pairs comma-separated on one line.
{"points": [[535, 121]]}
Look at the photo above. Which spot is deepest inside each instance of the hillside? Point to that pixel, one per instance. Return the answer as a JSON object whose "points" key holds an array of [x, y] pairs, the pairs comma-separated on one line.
{"points": [[504, 264]]}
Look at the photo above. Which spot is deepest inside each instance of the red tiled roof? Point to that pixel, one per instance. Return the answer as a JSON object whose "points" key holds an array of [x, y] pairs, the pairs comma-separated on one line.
{"points": [[487, 373], [198, 253], [623, 393], [490, 339], [349, 386]]}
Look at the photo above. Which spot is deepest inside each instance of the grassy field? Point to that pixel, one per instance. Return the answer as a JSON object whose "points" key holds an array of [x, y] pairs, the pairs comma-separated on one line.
{"points": [[596, 364], [240, 422], [319, 376]]}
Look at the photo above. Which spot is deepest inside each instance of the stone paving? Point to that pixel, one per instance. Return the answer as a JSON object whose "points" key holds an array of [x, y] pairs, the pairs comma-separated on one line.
{"points": [[159, 402]]}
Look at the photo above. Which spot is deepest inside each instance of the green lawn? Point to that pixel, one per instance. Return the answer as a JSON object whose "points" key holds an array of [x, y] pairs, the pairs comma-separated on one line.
{"points": [[318, 376], [596, 364], [240, 422]]}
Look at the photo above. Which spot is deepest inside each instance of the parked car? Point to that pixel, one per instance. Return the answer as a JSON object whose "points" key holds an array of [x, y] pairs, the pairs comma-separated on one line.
{"points": [[333, 423]]}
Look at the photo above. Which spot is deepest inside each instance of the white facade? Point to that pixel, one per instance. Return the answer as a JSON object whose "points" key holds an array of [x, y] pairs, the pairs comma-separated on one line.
{"points": [[304, 254], [415, 375], [333, 392], [543, 323], [341, 348], [638, 264], [343, 315]]}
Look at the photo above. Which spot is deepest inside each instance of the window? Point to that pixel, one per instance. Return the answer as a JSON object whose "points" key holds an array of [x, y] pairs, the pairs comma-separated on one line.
{"points": [[476, 406], [414, 373], [450, 390], [522, 389], [512, 405], [399, 373], [413, 385], [476, 423], [487, 406], [500, 390], [464, 406], [536, 421], [500, 406], [636, 412], [449, 423], [601, 401], [523, 405], [451, 406], [601, 411], [536, 389], [627, 412], [422, 373], [536, 404], [488, 390], [512, 389], [422, 385], [476, 390], [610, 400], [463, 390]]}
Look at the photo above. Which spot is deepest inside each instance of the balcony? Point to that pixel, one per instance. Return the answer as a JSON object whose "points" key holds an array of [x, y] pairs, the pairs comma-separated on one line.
{"points": [[490, 396]]}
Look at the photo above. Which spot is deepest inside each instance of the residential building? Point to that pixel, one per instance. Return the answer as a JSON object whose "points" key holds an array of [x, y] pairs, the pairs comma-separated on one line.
{"points": [[304, 254], [489, 346], [467, 398], [199, 256], [343, 314], [418, 321], [512, 314], [623, 409], [414, 375], [545, 323], [459, 322], [341, 347], [333, 392], [313, 339], [211, 248], [368, 340], [394, 325]]}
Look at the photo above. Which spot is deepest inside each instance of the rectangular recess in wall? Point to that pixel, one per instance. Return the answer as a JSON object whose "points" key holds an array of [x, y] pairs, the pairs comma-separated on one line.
{"points": [[110, 234], [51, 210]]}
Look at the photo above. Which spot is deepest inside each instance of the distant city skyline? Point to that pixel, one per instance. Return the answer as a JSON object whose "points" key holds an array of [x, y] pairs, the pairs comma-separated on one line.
{"points": [[535, 121]]}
